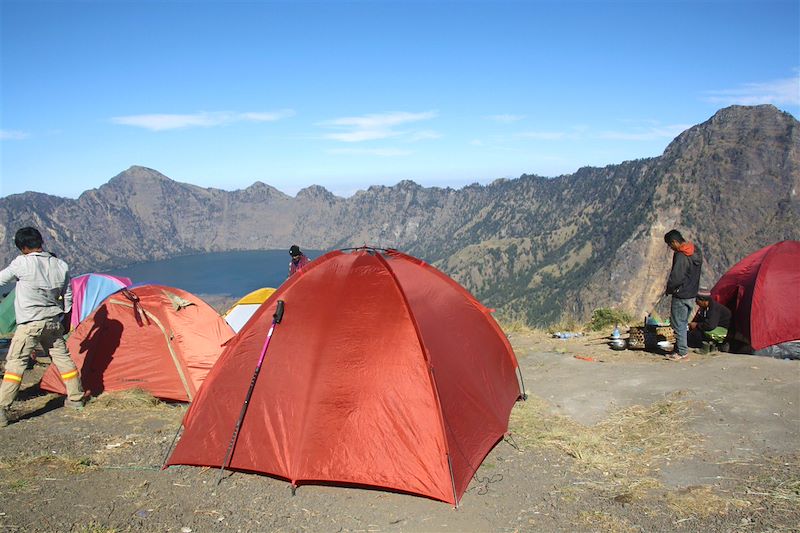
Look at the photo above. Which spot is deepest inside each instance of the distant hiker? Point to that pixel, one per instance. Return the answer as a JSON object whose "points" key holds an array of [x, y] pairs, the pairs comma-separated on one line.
{"points": [[711, 322], [683, 284], [299, 259], [43, 296]]}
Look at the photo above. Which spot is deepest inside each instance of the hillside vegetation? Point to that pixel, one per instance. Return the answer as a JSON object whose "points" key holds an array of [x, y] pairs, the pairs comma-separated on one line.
{"points": [[533, 247]]}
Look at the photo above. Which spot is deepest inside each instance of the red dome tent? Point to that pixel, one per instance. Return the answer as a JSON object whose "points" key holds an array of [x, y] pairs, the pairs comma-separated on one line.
{"points": [[160, 339], [763, 292], [384, 372]]}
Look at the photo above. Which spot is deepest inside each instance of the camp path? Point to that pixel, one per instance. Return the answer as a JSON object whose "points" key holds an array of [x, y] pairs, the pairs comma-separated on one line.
{"points": [[607, 441]]}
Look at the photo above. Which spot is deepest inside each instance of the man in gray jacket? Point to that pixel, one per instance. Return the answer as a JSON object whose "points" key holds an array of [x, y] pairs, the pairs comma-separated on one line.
{"points": [[43, 296], [683, 284]]}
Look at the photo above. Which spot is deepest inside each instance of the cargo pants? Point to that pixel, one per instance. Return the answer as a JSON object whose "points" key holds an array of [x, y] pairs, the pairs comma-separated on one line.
{"points": [[50, 334]]}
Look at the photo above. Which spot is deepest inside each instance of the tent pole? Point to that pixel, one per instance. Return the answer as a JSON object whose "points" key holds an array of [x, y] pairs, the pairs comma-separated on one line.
{"points": [[169, 450], [452, 479], [276, 319], [522, 394]]}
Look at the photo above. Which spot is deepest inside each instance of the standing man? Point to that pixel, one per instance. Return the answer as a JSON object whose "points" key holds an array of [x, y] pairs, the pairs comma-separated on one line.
{"points": [[299, 259], [683, 284], [43, 296]]}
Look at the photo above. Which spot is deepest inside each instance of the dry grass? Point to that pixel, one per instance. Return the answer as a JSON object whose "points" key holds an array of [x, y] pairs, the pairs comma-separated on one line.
{"points": [[605, 522], [788, 492], [626, 449], [702, 501], [622, 456], [567, 324], [48, 461], [25, 475], [127, 399], [94, 527], [778, 481], [516, 326]]}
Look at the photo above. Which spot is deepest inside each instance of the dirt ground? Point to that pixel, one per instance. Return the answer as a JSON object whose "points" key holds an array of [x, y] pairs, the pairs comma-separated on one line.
{"points": [[607, 441]]}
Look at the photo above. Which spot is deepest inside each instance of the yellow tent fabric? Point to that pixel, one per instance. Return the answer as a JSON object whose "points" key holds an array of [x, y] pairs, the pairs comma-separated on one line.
{"points": [[240, 312], [258, 296]]}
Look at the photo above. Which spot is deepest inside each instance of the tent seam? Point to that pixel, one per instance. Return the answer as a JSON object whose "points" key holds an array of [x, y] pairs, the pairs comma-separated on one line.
{"points": [[172, 353], [431, 377]]}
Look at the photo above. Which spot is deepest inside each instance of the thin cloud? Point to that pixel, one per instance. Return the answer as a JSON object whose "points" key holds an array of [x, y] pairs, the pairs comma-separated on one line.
{"points": [[424, 135], [13, 135], [160, 122], [269, 116], [363, 135], [646, 131], [380, 152], [376, 126], [542, 135], [646, 134], [778, 92], [505, 118]]}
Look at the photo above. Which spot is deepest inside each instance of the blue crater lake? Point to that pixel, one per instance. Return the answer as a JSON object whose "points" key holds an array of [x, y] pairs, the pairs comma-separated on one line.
{"points": [[231, 274]]}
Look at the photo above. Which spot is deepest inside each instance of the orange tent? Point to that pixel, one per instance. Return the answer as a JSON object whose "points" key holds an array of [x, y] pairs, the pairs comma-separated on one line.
{"points": [[384, 372], [160, 339]]}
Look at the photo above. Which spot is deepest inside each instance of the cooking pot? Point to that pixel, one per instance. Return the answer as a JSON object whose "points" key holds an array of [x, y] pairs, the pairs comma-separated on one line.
{"points": [[618, 344]]}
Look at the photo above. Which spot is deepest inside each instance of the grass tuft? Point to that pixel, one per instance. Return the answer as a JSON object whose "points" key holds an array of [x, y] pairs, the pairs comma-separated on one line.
{"points": [[606, 522], [702, 501], [626, 448], [515, 326], [127, 399]]}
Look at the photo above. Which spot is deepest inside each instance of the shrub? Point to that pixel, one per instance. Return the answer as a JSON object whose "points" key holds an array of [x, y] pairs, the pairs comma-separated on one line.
{"points": [[604, 318]]}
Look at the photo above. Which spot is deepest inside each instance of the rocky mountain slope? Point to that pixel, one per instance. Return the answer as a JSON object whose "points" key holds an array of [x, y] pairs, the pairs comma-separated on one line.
{"points": [[531, 247]]}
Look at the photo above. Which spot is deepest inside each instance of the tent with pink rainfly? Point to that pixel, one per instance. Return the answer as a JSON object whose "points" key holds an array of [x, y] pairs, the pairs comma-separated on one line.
{"points": [[89, 291]]}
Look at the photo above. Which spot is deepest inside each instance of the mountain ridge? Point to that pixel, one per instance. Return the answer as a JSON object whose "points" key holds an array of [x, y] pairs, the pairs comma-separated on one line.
{"points": [[532, 247]]}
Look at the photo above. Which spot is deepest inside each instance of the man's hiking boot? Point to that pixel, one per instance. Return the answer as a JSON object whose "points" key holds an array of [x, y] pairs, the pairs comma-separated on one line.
{"points": [[74, 404], [708, 348], [3, 418]]}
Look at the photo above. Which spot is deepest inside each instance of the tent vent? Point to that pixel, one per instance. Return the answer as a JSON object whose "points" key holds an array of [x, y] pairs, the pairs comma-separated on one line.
{"points": [[177, 302]]}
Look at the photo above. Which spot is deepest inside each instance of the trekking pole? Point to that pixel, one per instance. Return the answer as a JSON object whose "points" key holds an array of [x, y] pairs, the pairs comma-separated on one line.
{"points": [[656, 306], [659, 301], [276, 319]]}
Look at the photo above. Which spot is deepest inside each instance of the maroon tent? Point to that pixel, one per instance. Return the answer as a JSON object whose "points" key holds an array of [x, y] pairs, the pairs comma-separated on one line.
{"points": [[763, 292]]}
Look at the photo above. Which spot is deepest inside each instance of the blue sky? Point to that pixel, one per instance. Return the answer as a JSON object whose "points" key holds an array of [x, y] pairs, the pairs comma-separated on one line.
{"points": [[350, 94]]}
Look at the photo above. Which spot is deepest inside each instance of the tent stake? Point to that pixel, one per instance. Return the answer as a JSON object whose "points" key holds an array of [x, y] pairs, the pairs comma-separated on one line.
{"points": [[276, 319]]}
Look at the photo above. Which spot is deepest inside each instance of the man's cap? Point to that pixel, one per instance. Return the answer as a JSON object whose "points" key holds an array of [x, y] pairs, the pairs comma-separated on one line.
{"points": [[294, 250], [703, 294]]}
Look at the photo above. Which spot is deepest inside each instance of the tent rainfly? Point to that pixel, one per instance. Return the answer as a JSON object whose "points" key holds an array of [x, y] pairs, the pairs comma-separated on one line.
{"points": [[384, 372], [240, 312], [763, 292], [89, 291], [160, 339]]}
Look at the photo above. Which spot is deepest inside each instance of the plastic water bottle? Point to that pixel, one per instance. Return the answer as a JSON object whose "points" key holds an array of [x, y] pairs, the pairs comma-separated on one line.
{"points": [[615, 333]]}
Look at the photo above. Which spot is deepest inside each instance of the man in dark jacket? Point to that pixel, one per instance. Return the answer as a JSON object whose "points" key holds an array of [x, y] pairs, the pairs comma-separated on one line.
{"points": [[711, 322], [683, 284]]}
